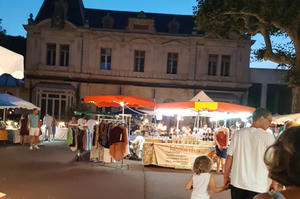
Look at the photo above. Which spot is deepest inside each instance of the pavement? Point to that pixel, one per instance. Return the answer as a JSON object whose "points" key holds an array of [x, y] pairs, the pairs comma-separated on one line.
{"points": [[52, 173]]}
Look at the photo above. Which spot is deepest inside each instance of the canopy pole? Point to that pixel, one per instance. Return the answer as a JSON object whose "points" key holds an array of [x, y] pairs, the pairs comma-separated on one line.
{"points": [[123, 111], [4, 114], [177, 126]]}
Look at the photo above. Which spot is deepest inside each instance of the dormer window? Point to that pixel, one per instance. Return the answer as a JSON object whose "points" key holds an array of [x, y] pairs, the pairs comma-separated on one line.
{"points": [[107, 21], [141, 23], [140, 27], [173, 26]]}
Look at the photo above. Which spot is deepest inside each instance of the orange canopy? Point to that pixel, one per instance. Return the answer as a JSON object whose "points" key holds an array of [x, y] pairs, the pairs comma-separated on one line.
{"points": [[115, 100], [210, 106]]}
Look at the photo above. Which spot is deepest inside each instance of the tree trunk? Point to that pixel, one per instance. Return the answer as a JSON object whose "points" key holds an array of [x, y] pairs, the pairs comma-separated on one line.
{"points": [[296, 99], [296, 89]]}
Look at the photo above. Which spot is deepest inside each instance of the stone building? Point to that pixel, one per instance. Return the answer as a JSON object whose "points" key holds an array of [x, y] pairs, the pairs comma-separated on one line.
{"points": [[270, 90], [73, 51]]}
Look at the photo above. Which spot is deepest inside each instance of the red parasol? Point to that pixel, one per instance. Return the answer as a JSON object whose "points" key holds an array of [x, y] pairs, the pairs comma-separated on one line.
{"points": [[117, 100]]}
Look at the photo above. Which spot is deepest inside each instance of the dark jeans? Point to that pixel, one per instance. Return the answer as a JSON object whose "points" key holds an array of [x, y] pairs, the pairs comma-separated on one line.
{"points": [[237, 193]]}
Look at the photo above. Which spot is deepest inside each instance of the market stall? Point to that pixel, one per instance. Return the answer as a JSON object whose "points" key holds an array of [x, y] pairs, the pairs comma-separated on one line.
{"points": [[12, 127], [3, 132], [11, 63], [179, 151], [102, 148], [178, 156], [281, 119]]}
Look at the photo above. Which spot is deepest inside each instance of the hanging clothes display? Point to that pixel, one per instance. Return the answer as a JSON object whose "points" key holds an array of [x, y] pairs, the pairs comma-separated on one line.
{"points": [[118, 142], [95, 147], [112, 143]]}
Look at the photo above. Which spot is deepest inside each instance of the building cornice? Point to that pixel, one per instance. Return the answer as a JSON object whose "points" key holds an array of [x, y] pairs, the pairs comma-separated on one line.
{"points": [[184, 84]]}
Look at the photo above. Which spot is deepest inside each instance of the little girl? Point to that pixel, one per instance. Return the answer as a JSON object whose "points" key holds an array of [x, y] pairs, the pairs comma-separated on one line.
{"points": [[201, 180]]}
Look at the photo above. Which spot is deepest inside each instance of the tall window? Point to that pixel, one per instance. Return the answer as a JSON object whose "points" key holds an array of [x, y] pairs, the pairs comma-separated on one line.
{"points": [[225, 65], [51, 54], [172, 63], [105, 60], [139, 61], [64, 55], [54, 103], [212, 65]]}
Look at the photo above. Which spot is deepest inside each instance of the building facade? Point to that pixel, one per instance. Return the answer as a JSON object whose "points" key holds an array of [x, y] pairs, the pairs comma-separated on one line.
{"points": [[73, 51], [270, 90]]}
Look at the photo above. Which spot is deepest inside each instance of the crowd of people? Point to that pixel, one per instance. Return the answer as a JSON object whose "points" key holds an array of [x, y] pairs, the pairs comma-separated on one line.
{"points": [[258, 164], [255, 163], [30, 125]]}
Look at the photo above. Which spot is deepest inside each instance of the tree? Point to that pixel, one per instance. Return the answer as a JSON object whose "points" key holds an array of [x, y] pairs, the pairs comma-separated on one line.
{"points": [[250, 17], [2, 31]]}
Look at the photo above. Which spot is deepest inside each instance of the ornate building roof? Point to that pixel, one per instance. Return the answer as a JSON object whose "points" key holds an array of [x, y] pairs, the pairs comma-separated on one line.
{"points": [[74, 12]]}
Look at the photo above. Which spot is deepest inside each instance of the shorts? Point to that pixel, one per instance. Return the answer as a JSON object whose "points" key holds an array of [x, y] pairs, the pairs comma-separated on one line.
{"points": [[34, 131], [221, 153]]}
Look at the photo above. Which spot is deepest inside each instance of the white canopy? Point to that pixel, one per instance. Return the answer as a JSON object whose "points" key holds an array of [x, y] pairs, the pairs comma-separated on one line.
{"points": [[11, 63], [18, 102], [201, 97], [288, 117]]}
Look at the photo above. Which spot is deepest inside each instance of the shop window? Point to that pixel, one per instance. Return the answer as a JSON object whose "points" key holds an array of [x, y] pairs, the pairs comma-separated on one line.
{"points": [[172, 63], [51, 54], [105, 60], [139, 61]]}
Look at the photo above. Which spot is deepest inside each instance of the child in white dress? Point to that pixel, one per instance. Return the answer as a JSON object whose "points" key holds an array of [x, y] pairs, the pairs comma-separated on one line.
{"points": [[202, 180]]}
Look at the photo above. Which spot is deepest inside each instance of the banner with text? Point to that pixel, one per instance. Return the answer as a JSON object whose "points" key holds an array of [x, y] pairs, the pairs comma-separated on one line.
{"points": [[179, 156]]}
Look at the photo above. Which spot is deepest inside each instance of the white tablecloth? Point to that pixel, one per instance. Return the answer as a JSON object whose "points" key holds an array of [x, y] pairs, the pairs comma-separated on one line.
{"points": [[61, 133]]}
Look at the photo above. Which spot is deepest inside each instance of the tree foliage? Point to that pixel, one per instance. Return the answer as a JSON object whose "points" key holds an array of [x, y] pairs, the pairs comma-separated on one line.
{"points": [[249, 17], [2, 31]]}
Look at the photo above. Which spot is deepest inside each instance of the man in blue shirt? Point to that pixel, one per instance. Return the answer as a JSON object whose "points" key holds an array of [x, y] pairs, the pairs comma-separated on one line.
{"points": [[33, 125]]}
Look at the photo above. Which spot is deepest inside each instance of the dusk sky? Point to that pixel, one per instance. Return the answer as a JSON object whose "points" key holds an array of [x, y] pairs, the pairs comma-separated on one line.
{"points": [[14, 13]]}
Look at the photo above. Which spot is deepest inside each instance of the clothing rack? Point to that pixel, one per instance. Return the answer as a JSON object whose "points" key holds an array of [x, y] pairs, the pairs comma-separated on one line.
{"points": [[101, 148]]}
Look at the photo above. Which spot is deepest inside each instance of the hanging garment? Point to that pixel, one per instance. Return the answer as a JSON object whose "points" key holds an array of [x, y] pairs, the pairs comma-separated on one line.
{"points": [[69, 140], [116, 134], [74, 144], [80, 140], [94, 135], [105, 136], [84, 141], [119, 139], [88, 143]]}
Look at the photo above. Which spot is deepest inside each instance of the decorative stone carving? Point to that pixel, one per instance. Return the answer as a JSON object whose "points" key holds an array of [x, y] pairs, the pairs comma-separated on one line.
{"points": [[141, 15], [30, 19], [107, 21]]}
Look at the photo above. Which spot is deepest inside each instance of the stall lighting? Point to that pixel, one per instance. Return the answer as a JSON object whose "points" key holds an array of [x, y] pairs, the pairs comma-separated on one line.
{"points": [[61, 123], [146, 121], [122, 104]]}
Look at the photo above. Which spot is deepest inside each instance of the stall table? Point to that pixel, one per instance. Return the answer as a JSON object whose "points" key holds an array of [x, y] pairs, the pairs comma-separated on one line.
{"points": [[3, 135], [13, 135], [178, 156], [61, 133]]}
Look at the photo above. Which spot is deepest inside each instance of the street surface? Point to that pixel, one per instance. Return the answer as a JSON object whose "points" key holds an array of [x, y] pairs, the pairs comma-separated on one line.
{"points": [[51, 173]]}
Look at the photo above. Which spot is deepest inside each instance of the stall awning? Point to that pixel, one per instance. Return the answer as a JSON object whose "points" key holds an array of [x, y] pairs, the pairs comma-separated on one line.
{"points": [[281, 119], [209, 106], [207, 109], [11, 63], [117, 100], [17, 102], [4, 104], [201, 97]]}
